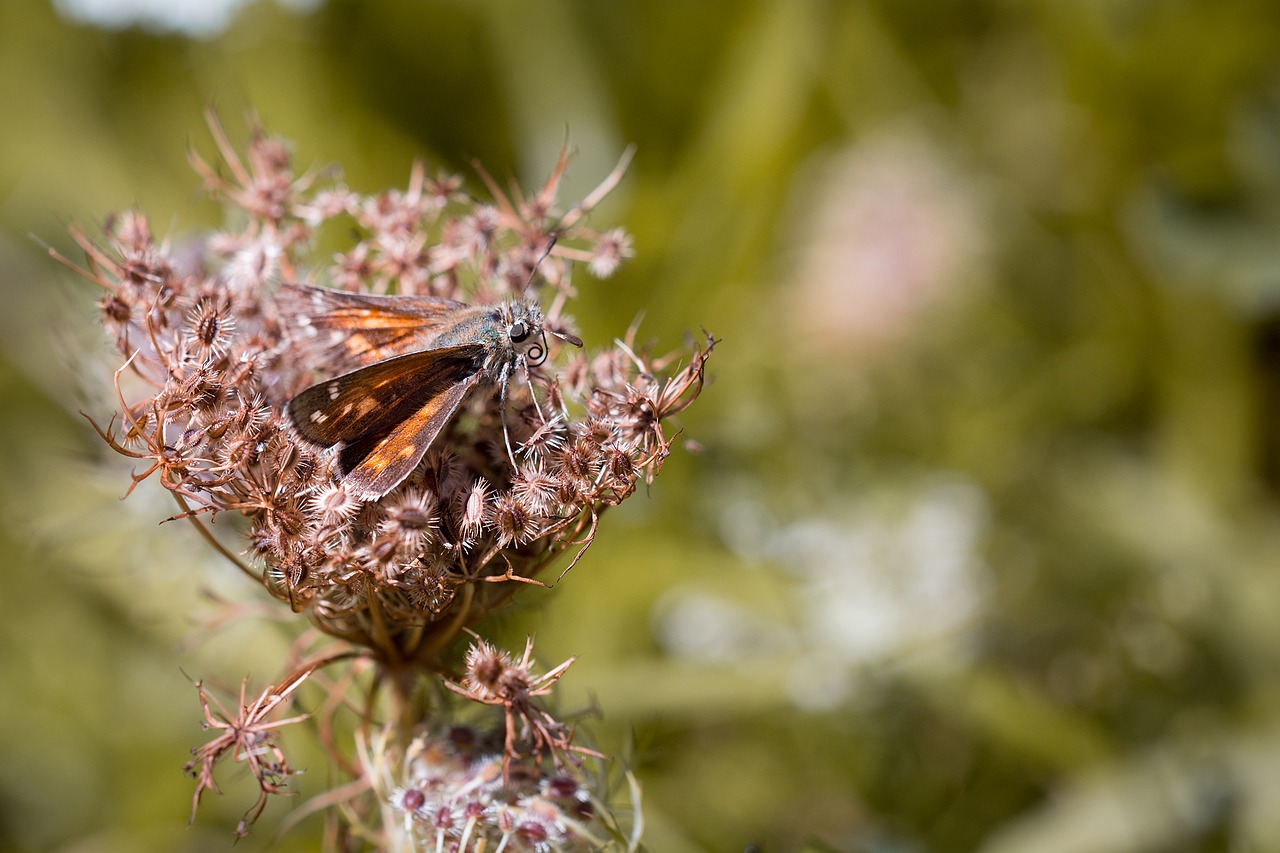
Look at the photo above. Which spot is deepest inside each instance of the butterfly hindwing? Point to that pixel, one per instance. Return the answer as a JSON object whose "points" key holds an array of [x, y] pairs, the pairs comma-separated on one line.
{"points": [[349, 330]]}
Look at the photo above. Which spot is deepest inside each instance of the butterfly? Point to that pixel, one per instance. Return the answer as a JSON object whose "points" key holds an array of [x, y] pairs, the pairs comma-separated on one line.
{"points": [[405, 364]]}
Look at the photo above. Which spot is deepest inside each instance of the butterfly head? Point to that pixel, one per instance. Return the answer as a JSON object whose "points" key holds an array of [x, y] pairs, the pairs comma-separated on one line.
{"points": [[523, 325]]}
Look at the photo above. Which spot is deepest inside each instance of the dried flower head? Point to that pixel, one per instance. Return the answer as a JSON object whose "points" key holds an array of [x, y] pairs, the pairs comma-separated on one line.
{"points": [[449, 792], [213, 348]]}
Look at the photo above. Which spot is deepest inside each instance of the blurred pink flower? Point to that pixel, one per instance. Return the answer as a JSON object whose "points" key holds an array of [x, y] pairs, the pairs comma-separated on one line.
{"points": [[889, 229]]}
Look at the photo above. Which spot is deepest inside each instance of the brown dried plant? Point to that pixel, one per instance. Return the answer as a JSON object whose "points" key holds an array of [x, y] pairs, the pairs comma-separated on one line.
{"points": [[393, 585]]}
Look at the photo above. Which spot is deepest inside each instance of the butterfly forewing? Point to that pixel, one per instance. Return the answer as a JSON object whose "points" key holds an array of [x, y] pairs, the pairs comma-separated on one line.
{"points": [[360, 408], [349, 330], [375, 465]]}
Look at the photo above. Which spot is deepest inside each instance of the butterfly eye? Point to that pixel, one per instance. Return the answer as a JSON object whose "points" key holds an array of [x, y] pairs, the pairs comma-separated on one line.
{"points": [[518, 331]]}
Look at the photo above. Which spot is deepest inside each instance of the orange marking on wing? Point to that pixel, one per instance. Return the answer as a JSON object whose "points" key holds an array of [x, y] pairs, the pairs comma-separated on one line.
{"points": [[356, 344], [399, 452]]}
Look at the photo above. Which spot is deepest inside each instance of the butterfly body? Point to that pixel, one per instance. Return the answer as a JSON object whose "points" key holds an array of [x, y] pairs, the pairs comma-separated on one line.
{"points": [[404, 365]]}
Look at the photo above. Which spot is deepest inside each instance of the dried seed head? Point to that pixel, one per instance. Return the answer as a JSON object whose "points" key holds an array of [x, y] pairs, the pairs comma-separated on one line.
{"points": [[487, 669], [440, 469], [115, 310], [430, 589], [610, 250], [578, 460], [411, 519], [620, 464], [333, 505], [202, 390], [535, 489], [472, 511], [254, 264], [294, 568], [210, 328], [547, 437], [512, 520], [478, 230]]}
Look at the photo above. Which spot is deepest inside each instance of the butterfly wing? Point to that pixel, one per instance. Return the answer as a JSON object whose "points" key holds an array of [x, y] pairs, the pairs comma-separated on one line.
{"points": [[348, 330], [384, 417], [379, 465]]}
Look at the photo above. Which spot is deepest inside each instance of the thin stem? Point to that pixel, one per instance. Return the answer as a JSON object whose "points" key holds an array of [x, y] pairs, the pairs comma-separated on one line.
{"points": [[212, 540]]}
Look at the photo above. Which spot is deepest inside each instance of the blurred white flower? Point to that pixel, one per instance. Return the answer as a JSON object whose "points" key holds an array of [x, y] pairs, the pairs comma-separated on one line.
{"points": [[873, 585], [194, 18], [890, 575], [709, 629]]}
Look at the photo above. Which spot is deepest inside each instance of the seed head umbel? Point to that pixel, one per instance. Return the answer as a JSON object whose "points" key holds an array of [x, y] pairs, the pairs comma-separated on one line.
{"points": [[211, 350]]}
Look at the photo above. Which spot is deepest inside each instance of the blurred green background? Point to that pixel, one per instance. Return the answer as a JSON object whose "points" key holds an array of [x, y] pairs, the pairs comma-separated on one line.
{"points": [[981, 548]]}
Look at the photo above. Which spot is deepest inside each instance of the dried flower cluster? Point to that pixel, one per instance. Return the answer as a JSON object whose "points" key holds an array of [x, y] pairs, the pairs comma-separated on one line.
{"points": [[457, 785], [453, 791], [209, 364]]}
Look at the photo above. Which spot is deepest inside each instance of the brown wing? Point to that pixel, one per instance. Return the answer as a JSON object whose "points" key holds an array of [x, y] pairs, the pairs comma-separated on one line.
{"points": [[379, 465], [367, 404], [342, 330]]}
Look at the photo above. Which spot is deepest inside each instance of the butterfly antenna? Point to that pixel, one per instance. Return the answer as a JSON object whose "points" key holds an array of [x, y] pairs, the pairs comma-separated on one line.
{"points": [[551, 244], [566, 337]]}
